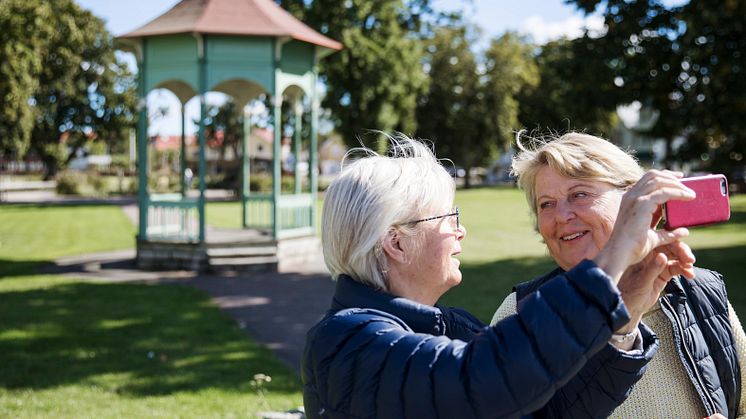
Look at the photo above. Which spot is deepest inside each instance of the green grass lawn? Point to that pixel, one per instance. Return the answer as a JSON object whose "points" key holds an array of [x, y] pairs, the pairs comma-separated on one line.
{"points": [[75, 348]]}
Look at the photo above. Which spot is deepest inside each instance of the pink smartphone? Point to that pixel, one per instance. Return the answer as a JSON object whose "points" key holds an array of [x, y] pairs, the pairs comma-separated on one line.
{"points": [[710, 206]]}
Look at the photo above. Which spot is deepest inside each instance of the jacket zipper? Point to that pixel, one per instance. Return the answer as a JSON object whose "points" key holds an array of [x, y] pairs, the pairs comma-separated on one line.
{"points": [[707, 399]]}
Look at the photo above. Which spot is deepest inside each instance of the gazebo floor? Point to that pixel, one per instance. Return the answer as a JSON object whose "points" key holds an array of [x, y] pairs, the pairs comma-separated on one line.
{"points": [[228, 249]]}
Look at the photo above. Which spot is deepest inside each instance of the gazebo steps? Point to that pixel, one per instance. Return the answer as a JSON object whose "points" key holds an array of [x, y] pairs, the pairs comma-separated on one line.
{"points": [[242, 257], [241, 251], [231, 250], [242, 264]]}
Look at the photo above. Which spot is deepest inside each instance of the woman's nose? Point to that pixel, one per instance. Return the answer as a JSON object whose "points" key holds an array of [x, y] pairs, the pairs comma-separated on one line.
{"points": [[565, 211], [460, 232]]}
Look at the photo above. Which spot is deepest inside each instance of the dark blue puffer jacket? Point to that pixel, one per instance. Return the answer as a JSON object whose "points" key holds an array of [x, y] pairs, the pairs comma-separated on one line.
{"points": [[375, 355]]}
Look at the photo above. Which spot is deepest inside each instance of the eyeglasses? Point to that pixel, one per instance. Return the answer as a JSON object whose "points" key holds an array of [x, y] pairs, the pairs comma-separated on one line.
{"points": [[453, 214]]}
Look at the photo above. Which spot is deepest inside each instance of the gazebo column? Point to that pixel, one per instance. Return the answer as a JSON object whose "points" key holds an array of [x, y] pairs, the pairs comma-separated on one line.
{"points": [[183, 157], [298, 111], [313, 148], [142, 146], [202, 46], [245, 165], [276, 163]]}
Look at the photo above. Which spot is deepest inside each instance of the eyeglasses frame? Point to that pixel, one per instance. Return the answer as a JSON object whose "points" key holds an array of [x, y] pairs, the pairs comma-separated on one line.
{"points": [[455, 213]]}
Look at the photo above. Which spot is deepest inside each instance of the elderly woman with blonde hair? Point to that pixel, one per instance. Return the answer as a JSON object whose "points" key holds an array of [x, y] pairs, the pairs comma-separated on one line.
{"points": [[386, 349], [574, 185]]}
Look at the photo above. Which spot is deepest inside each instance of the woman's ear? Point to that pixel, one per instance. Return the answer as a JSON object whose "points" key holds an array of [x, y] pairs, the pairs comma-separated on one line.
{"points": [[392, 246]]}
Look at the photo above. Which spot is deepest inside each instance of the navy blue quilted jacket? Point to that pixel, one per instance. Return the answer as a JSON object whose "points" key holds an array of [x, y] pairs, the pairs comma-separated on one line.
{"points": [[375, 355]]}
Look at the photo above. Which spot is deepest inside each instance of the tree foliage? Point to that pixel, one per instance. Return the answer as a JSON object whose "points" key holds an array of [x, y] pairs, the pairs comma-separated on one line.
{"points": [[374, 82], [79, 88], [20, 39], [470, 110], [687, 62], [224, 127], [573, 92], [509, 69]]}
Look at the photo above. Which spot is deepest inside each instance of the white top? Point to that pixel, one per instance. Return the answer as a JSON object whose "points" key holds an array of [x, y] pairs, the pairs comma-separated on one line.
{"points": [[664, 391]]}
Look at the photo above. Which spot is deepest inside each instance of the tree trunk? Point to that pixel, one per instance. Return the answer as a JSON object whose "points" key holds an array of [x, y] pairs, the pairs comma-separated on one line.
{"points": [[668, 158], [467, 178], [51, 166]]}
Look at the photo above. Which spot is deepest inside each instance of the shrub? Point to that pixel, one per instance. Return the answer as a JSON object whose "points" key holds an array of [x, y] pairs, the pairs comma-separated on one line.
{"points": [[92, 184], [69, 181]]}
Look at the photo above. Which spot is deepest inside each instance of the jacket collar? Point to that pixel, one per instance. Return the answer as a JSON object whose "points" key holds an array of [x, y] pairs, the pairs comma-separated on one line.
{"points": [[421, 318]]}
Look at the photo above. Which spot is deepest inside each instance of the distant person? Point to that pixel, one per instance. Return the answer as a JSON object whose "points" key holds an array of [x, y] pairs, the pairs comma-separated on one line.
{"points": [[386, 349], [574, 185]]}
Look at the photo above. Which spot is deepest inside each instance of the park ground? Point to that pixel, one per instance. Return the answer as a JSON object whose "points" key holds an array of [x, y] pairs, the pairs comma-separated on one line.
{"points": [[73, 347]]}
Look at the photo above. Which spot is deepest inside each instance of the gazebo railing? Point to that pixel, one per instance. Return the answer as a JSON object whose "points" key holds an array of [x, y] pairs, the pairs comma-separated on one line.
{"points": [[294, 214], [172, 217]]}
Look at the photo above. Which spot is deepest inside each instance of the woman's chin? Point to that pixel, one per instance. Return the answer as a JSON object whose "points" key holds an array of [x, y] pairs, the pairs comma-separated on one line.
{"points": [[454, 279]]}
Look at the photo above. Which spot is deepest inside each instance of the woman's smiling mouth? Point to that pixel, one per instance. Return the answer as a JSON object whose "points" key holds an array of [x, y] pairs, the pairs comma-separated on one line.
{"points": [[574, 236]]}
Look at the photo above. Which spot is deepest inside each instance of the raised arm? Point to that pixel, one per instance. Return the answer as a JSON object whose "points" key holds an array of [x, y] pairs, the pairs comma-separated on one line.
{"points": [[509, 370]]}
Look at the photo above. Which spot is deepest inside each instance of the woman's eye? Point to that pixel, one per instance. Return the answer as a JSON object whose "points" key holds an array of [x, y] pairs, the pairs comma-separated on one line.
{"points": [[546, 204], [580, 195]]}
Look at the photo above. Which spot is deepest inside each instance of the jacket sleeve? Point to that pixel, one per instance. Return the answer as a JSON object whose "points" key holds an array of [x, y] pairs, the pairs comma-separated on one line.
{"points": [[509, 370], [603, 384]]}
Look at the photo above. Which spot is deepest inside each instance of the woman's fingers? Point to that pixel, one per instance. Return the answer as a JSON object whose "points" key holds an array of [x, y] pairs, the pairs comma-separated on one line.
{"points": [[670, 238], [681, 252], [633, 238], [676, 268], [642, 283]]}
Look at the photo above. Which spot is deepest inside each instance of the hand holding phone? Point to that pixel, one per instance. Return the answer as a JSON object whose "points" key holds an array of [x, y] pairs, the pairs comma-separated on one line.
{"points": [[710, 206]]}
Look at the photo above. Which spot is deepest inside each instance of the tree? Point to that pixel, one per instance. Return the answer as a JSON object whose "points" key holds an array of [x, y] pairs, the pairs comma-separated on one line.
{"points": [[227, 120], [79, 89], [374, 82], [19, 66], [470, 109], [715, 44], [573, 92], [446, 112], [509, 69], [685, 61]]}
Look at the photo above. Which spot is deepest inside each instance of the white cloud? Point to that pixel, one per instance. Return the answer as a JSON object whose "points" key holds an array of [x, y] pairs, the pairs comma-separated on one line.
{"points": [[542, 31]]}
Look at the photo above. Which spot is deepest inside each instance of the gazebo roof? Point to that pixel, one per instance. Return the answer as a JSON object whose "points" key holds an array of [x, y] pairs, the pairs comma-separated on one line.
{"points": [[232, 17]]}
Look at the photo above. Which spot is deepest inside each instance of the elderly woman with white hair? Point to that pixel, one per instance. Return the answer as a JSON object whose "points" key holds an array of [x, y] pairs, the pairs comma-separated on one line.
{"points": [[574, 185], [386, 349]]}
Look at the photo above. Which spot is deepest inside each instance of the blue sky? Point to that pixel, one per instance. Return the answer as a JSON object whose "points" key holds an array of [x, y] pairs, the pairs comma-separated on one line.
{"points": [[541, 19]]}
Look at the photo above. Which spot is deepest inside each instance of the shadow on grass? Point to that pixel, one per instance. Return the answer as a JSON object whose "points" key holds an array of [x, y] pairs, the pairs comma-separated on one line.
{"points": [[485, 285], [737, 217], [21, 267], [131, 339]]}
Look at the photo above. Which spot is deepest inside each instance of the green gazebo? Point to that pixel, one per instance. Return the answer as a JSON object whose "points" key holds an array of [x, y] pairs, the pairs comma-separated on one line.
{"points": [[243, 48]]}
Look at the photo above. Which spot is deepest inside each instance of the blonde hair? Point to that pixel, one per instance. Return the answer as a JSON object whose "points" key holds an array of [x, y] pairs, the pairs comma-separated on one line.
{"points": [[374, 194], [573, 155]]}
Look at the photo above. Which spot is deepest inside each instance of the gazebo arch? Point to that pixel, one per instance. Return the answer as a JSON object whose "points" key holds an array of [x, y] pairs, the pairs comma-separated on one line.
{"points": [[243, 48]]}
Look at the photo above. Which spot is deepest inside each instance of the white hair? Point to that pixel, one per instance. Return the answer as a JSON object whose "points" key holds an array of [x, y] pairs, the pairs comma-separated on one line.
{"points": [[374, 194]]}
